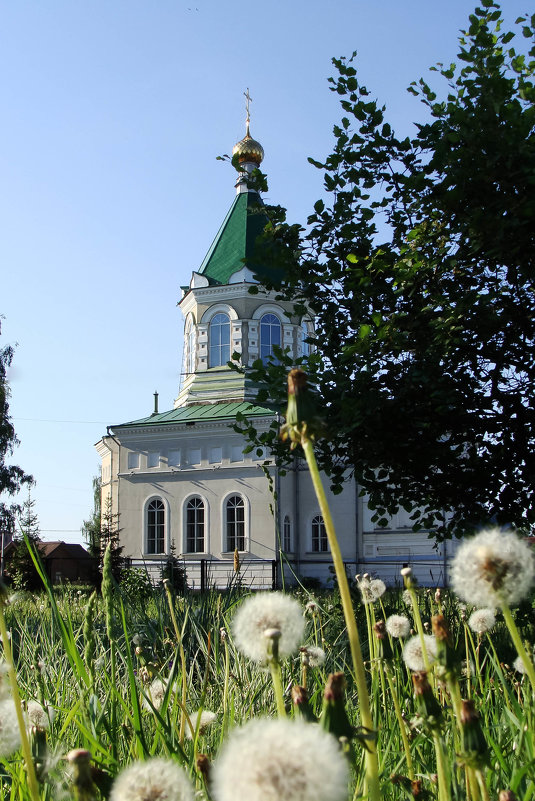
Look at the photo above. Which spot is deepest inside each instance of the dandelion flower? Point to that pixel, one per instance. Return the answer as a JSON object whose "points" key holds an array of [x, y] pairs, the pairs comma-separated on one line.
{"points": [[398, 626], [493, 568], [38, 716], [378, 588], [407, 598], [268, 610], [280, 760], [153, 780], [312, 656], [413, 654], [482, 620], [9, 728], [5, 687], [207, 718]]}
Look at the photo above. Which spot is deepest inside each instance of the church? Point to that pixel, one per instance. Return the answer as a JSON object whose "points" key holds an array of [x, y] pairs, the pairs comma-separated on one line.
{"points": [[179, 482]]}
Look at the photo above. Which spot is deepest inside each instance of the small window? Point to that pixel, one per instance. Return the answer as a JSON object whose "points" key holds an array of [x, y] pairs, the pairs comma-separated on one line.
{"points": [[153, 459], [195, 526], [190, 343], [270, 335], [235, 523], [216, 455], [133, 461], [236, 453], [320, 543], [286, 535], [219, 340], [194, 456], [156, 527], [173, 458]]}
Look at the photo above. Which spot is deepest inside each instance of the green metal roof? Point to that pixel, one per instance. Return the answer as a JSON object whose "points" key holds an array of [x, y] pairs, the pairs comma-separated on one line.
{"points": [[199, 412], [235, 239]]}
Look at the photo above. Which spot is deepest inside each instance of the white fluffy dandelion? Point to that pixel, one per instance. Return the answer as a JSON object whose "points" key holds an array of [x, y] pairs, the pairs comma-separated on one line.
{"points": [[280, 760], [39, 716], [493, 568], [519, 665], [9, 728], [398, 626], [413, 654], [159, 779], [156, 693], [207, 718], [268, 610], [312, 656], [5, 687], [482, 620]]}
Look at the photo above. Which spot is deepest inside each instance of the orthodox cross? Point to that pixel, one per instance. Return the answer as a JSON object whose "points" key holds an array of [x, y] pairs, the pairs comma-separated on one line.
{"points": [[248, 99]]}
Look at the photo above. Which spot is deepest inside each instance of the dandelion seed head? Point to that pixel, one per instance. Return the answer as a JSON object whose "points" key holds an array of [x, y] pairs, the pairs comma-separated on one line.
{"points": [[413, 654], [9, 728], [493, 568], [268, 610], [280, 760], [312, 656], [378, 588], [519, 665], [5, 687], [398, 626], [154, 780], [206, 720], [482, 620], [156, 692], [39, 716], [406, 598]]}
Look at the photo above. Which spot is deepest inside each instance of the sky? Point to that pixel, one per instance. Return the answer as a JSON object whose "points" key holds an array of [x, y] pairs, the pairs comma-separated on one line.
{"points": [[114, 114]]}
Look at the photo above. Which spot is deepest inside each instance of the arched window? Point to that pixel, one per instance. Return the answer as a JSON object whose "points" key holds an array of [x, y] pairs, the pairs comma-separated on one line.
{"points": [[320, 544], [219, 339], [305, 333], [235, 523], [195, 525], [270, 335], [286, 534], [190, 344], [156, 527]]}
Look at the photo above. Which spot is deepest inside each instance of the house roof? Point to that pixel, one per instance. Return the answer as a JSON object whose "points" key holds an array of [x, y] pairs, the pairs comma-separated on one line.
{"points": [[199, 413], [235, 240]]}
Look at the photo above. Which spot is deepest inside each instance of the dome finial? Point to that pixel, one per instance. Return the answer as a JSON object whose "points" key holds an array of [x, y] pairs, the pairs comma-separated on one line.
{"points": [[248, 150]]}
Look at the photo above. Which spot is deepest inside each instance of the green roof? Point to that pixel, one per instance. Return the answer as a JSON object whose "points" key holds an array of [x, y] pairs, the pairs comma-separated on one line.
{"points": [[235, 239], [199, 413]]}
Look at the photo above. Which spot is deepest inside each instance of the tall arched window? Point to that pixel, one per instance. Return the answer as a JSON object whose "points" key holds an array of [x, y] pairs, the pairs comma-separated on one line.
{"points": [[270, 335], [305, 333], [320, 544], [235, 523], [219, 340], [156, 527], [195, 525], [286, 534]]}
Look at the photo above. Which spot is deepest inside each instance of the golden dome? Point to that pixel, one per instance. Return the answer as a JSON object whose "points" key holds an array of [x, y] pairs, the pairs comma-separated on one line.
{"points": [[248, 149]]}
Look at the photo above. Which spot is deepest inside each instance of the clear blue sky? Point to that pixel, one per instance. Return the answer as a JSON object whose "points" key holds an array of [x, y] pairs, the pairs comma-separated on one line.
{"points": [[113, 115]]}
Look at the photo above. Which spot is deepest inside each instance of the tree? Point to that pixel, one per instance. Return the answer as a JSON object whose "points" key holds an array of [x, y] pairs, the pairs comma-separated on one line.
{"points": [[12, 478], [22, 570], [91, 528], [420, 271], [110, 535]]}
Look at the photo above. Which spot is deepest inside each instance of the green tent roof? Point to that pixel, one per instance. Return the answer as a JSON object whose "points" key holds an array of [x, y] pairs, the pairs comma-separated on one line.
{"points": [[199, 413], [236, 238]]}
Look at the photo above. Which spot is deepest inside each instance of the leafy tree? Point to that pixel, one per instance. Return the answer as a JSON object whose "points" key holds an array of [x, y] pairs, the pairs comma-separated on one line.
{"points": [[91, 528], [420, 270], [22, 571], [12, 478]]}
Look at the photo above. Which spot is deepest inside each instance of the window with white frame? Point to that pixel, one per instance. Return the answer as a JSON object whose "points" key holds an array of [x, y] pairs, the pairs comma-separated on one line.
{"points": [[270, 335], [219, 338], [195, 520], [156, 526], [320, 543], [305, 333], [235, 523], [286, 534], [133, 460], [153, 459]]}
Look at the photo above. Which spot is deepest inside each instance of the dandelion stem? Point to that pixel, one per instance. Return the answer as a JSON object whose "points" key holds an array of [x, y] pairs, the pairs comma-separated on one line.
{"points": [[443, 792], [419, 626], [519, 645], [372, 766], [274, 669], [26, 750], [401, 722]]}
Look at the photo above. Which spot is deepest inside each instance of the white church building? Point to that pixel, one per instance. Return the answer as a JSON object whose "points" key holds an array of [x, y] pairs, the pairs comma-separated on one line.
{"points": [[180, 479]]}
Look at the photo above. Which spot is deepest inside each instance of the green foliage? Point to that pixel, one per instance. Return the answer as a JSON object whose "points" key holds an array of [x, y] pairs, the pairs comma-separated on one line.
{"points": [[419, 267], [12, 478], [21, 569], [110, 540], [174, 570], [91, 528], [136, 585]]}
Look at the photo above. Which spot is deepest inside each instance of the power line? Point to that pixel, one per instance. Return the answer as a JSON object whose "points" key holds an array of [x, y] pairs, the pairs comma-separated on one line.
{"points": [[73, 422]]}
